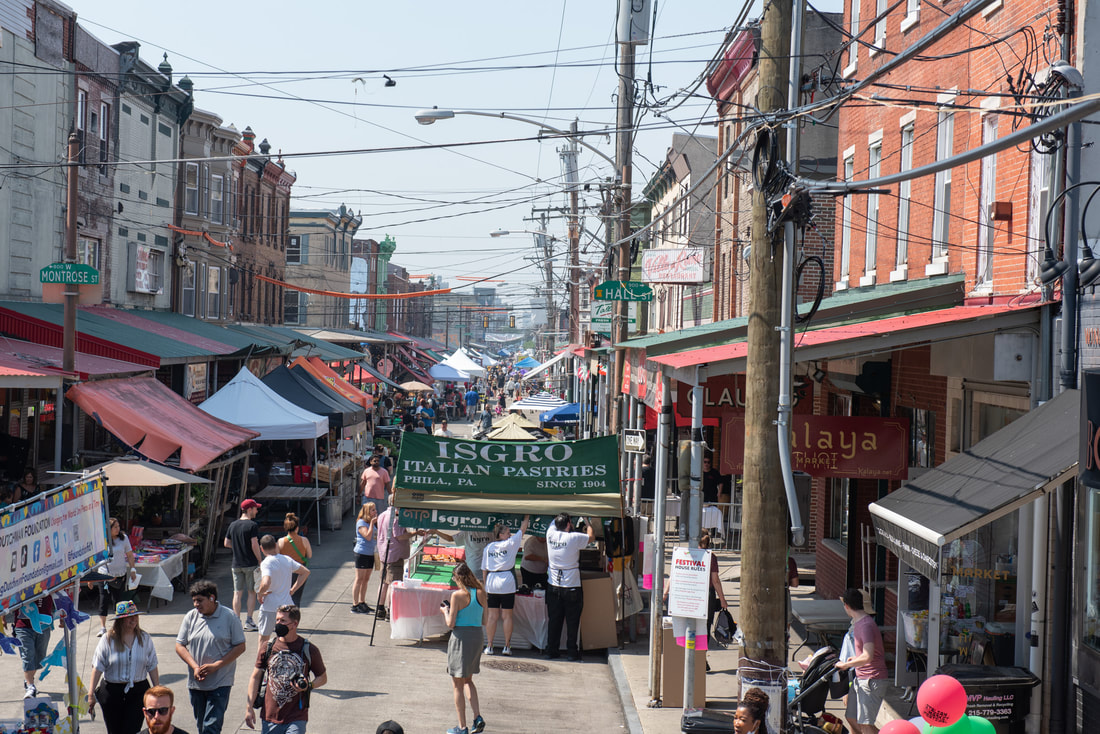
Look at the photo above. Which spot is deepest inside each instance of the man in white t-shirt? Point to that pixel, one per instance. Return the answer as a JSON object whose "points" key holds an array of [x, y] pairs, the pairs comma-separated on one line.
{"points": [[564, 600], [498, 568], [276, 585], [474, 542]]}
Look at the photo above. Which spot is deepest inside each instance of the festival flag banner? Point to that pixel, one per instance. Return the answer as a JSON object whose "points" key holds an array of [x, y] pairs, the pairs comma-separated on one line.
{"points": [[52, 540], [538, 478]]}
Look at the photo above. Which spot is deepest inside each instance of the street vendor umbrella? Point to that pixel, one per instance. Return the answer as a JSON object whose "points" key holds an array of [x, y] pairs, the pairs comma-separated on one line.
{"points": [[129, 471], [568, 413], [415, 386], [539, 402]]}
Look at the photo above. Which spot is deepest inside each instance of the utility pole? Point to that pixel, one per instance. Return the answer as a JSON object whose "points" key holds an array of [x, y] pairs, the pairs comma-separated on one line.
{"points": [[546, 246], [763, 561], [624, 128], [72, 291], [569, 169]]}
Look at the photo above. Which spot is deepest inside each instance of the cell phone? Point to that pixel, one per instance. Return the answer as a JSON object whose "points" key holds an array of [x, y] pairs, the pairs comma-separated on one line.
{"points": [[445, 603]]}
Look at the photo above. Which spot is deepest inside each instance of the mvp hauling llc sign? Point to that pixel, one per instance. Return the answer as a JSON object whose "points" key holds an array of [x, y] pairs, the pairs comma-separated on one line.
{"points": [[675, 265]]}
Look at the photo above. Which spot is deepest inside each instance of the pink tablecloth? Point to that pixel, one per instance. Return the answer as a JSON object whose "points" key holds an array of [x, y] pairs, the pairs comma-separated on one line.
{"points": [[415, 615]]}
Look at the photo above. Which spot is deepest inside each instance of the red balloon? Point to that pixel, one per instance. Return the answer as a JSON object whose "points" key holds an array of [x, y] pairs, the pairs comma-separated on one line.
{"points": [[899, 726], [941, 700]]}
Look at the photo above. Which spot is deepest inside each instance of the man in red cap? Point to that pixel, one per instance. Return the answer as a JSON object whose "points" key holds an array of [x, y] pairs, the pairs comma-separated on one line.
{"points": [[243, 536]]}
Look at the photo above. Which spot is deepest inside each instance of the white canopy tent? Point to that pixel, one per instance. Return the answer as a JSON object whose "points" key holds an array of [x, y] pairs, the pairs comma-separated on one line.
{"points": [[461, 361], [546, 365], [247, 402], [486, 360], [538, 402], [446, 373]]}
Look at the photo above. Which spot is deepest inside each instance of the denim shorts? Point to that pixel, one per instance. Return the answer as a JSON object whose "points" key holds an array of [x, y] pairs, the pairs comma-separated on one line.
{"points": [[34, 647]]}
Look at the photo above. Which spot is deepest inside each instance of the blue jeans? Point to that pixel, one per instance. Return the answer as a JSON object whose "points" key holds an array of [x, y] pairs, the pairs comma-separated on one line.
{"points": [[291, 727], [209, 708]]}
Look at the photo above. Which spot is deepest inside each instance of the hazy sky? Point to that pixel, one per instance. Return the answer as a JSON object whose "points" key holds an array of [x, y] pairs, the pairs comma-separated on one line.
{"points": [[309, 78]]}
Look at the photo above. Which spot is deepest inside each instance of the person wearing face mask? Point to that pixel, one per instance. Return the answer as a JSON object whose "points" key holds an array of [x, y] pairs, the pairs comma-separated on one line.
{"points": [[751, 713], [288, 661]]}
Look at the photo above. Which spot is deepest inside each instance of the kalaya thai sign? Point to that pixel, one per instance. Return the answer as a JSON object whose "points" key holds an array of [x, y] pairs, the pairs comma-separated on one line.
{"points": [[857, 447], [674, 265], [543, 477]]}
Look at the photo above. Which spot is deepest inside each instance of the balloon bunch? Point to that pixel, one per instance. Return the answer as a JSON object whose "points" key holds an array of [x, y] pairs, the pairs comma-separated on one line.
{"points": [[941, 701]]}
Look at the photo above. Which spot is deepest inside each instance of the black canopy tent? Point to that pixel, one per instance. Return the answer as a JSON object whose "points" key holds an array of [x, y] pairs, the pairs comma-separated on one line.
{"points": [[305, 391]]}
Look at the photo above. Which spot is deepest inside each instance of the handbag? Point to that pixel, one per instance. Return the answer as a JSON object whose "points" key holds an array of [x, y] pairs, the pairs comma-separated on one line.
{"points": [[261, 693]]}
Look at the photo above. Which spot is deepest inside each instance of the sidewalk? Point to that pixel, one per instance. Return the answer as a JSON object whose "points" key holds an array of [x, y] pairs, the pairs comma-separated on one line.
{"points": [[394, 679]]}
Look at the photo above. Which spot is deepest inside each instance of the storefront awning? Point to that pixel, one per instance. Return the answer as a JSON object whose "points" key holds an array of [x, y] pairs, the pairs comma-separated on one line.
{"points": [[145, 415], [547, 364], [997, 475], [848, 340]]}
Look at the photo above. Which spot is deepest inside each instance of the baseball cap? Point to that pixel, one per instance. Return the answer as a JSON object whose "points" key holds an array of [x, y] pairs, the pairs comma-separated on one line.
{"points": [[249, 504], [853, 598]]}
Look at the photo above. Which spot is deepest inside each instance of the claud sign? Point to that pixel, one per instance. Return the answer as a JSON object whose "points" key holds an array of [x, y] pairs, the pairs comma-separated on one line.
{"points": [[857, 447], [723, 393]]}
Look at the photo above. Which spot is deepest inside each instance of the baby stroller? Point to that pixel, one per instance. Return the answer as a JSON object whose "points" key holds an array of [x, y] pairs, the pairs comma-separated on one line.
{"points": [[815, 687]]}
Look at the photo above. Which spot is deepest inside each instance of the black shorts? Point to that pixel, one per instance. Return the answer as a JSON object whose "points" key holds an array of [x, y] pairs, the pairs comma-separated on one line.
{"points": [[363, 560], [502, 601]]}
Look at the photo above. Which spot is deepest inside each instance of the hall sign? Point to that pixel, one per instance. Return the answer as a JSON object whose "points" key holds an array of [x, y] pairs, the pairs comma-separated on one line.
{"points": [[856, 447], [459, 475], [69, 274], [622, 290]]}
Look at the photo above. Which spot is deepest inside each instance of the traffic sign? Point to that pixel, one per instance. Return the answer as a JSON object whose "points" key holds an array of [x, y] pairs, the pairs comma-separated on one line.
{"points": [[634, 441], [622, 290], [602, 313], [69, 274]]}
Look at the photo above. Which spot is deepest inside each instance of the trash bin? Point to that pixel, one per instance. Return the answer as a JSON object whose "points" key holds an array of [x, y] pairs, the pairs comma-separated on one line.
{"points": [[999, 693], [332, 513], [706, 721]]}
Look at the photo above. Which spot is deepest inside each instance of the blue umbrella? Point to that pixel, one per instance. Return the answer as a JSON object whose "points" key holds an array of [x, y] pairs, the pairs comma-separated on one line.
{"points": [[568, 413]]}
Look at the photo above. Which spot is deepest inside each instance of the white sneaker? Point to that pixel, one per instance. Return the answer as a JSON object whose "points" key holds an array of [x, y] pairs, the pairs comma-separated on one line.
{"points": [[488, 650], [102, 631], [29, 691], [250, 626], [506, 651]]}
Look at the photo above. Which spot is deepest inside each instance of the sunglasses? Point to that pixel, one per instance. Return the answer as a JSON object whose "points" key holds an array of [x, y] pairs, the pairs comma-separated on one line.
{"points": [[157, 711]]}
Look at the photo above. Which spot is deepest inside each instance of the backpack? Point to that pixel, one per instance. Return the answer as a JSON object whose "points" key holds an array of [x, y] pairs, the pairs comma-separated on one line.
{"points": [[724, 628], [258, 702]]}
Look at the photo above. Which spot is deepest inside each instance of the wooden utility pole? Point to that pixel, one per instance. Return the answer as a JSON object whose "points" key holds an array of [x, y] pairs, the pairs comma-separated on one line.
{"points": [[624, 124], [72, 291], [764, 506]]}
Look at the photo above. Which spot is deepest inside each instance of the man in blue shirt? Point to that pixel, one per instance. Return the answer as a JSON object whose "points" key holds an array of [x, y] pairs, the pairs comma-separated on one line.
{"points": [[472, 399]]}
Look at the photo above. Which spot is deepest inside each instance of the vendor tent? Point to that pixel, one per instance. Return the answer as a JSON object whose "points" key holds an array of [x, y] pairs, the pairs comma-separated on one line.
{"points": [[248, 402], [538, 370], [538, 402], [568, 413], [145, 415], [526, 364], [130, 471], [333, 381], [302, 389], [446, 373], [516, 419], [461, 361], [486, 360], [511, 432]]}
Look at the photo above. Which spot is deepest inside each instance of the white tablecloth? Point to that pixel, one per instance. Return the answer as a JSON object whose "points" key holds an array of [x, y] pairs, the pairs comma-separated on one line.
{"points": [[415, 614], [158, 576], [712, 516]]}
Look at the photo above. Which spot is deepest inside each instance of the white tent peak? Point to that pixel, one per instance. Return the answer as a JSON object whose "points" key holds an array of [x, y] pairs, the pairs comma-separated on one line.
{"points": [[248, 402]]}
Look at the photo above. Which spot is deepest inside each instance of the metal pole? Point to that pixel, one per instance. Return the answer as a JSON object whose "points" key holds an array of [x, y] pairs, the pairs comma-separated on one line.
{"points": [[70, 666], [660, 481], [639, 424], [694, 517], [72, 291]]}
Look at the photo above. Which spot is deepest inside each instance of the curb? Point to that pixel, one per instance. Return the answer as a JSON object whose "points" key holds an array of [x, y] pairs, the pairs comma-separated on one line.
{"points": [[626, 697]]}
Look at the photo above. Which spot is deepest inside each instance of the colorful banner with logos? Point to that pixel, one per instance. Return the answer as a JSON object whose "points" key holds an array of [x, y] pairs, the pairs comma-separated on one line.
{"points": [[52, 540], [470, 521], [520, 477], [857, 447]]}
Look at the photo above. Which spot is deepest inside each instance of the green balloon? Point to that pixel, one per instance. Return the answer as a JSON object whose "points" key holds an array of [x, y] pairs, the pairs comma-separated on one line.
{"points": [[962, 726], [981, 725]]}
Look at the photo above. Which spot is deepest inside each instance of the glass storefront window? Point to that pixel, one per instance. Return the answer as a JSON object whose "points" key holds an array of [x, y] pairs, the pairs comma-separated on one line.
{"points": [[1091, 614]]}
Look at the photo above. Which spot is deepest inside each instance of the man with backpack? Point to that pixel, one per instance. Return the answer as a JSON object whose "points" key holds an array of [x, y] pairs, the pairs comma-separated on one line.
{"points": [[280, 685]]}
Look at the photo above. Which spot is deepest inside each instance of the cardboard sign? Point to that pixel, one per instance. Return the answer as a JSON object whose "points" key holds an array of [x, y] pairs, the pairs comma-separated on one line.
{"points": [[689, 583]]}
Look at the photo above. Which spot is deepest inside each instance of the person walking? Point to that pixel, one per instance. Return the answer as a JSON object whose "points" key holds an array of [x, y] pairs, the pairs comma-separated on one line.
{"points": [[210, 640], [296, 547], [393, 547], [869, 663], [158, 708], [242, 536], [277, 584], [287, 661], [564, 598], [34, 643], [499, 568], [120, 567], [464, 614], [472, 399], [123, 664], [485, 419], [374, 482], [366, 526]]}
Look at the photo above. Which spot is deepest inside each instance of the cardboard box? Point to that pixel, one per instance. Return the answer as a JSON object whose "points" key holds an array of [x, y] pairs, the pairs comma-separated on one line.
{"points": [[598, 615], [672, 673]]}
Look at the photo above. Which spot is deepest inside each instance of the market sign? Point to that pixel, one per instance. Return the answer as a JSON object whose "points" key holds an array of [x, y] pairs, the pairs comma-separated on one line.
{"points": [[675, 265], [602, 313], [69, 274], [857, 447], [622, 290], [537, 477], [52, 540], [470, 521]]}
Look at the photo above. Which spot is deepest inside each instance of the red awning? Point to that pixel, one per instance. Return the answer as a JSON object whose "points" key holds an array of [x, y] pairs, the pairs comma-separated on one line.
{"points": [[28, 355], [868, 336], [325, 374], [143, 413]]}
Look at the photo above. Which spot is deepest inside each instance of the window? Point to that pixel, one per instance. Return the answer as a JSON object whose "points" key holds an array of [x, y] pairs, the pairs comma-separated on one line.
{"points": [[838, 486], [191, 189], [988, 194], [213, 292], [922, 436], [81, 110], [904, 192], [87, 252], [1038, 204], [1091, 615], [912, 15], [853, 45], [104, 135], [294, 250], [941, 214], [187, 280], [880, 27], [145, 269], [870, 252], [291, 311], [217, 199], [846, 224]]}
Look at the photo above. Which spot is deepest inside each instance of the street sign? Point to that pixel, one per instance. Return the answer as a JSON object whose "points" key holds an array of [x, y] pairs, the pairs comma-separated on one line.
{"points": [[69, 274], [602, 313], [634, 440], [622, 290]]}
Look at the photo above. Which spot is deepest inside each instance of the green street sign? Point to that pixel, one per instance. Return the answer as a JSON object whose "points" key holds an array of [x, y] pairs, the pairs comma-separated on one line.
{"points": [[69, 274], [622, 290]]}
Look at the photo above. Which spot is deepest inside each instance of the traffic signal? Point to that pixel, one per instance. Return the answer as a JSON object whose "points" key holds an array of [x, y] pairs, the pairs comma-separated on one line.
{"points": [[512, 322], [485, 322]]}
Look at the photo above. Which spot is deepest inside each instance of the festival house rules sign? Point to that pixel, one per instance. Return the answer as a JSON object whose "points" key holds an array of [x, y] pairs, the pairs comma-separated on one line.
{"points": [[459, 483]]}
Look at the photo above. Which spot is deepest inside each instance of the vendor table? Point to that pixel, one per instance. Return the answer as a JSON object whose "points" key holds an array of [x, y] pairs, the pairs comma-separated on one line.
{"points": [[158, 570], [821, 618], [298, 495], [415, 614], [712, 516]]}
